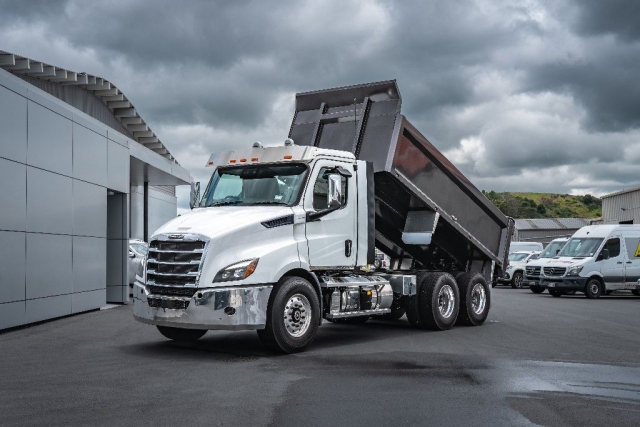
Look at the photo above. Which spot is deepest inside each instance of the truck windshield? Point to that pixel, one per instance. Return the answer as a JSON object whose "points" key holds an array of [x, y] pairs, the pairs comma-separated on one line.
{"points": [[581, 247], [255, 185], [552, 249]]}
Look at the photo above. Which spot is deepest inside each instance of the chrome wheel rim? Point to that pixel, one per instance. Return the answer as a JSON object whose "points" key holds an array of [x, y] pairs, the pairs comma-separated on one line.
{"points": [[518, 280], [595, 288], [446, 302], [297, 315], [478, 298]]}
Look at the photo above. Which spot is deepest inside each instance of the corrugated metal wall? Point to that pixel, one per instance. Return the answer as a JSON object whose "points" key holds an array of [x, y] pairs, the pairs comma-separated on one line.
{"points": [[622, 207]]}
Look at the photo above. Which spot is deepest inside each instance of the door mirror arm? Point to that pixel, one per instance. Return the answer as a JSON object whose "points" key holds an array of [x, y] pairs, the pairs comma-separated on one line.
{"points": [[315, 216]]}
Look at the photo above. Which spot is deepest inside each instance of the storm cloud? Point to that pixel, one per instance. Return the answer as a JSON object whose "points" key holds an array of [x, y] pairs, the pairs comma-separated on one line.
{"points": [[522, 95]]}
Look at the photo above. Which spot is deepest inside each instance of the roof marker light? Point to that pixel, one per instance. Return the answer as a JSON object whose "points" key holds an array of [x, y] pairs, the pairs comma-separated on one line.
{"points": [[243, 160], [288, 157], [232, 161], [210, 163], [254, 159]]}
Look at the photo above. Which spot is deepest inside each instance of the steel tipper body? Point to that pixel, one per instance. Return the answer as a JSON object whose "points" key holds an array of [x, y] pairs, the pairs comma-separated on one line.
{"points": [[284, 237]]}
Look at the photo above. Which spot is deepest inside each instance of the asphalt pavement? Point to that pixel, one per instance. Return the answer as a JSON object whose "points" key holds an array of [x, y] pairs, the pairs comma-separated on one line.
{"points": [[538, 360]]}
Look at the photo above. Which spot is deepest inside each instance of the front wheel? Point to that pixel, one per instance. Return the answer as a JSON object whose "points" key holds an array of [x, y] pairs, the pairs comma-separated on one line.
{"points": [[516, 281], [182, 335], [536, 289], [292, 316], [594, 289]]}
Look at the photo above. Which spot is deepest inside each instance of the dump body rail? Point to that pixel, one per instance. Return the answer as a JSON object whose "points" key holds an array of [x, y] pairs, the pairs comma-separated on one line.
{"points": [[426, 209]]}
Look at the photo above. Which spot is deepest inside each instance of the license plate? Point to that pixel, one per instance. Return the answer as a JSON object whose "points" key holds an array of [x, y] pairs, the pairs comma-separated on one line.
{"points": [[549, 284]]}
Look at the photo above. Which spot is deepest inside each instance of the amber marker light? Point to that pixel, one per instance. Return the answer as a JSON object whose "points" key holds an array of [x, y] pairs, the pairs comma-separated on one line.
{"points": [[232, 161], [288, 157], [254, 159], [243, 160]]}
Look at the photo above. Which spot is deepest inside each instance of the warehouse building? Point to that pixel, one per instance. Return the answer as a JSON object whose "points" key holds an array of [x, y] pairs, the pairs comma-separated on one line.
{"points": [[80, 173], [544, 230], [622, 207]]}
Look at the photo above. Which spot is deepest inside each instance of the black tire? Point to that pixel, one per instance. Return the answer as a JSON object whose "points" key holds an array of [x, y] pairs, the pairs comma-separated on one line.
{"points": [[359, 320], [593, 289], [536, 289], [468, 299], [636, 292], [516, 280], [555, 293], [182, 335], [275, 336], [423, 309], [493, 284]]}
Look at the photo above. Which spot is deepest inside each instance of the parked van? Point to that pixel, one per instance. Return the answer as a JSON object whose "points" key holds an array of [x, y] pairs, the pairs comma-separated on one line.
{"points": [[525, 246], [597, 259], [534, 266]]}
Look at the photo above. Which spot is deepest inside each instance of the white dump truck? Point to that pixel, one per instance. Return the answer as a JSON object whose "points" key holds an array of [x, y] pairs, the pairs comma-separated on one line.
{"points": [[284, 237]]}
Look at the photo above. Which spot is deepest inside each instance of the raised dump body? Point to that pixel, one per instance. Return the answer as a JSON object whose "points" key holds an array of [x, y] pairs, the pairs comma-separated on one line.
{"points": [[428, 214]]}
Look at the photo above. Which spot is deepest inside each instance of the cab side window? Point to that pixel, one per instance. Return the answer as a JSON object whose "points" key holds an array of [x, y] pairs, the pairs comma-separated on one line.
{"points": [[321, 187], [613, 245]]}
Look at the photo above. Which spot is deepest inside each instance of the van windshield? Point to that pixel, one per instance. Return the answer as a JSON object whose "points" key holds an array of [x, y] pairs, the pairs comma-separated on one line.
{"points": [[255, 185], [581, 247], [517, 257], [552, 249]]}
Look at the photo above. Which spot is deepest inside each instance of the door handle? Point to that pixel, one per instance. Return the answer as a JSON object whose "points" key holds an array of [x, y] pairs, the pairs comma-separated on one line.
{"points": [[619, 262], [629, 262]]}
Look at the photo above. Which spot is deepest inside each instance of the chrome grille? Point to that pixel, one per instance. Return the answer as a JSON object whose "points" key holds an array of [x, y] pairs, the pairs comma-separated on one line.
{"points": [[174, 263], [554, 271], [533, 271]]}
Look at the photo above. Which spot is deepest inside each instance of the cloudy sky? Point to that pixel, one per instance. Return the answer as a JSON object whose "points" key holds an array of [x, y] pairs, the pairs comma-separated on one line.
{"points": [[522, 95]]}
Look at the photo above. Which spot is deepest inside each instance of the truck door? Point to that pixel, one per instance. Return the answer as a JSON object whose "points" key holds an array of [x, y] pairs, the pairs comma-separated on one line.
{"points": [[331, 239], [632, 270], [612, 269]]}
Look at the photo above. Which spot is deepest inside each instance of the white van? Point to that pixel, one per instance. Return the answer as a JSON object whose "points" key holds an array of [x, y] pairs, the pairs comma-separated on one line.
{"points": [[525, 247], [514, 273], [597, 259], [534, 266]]}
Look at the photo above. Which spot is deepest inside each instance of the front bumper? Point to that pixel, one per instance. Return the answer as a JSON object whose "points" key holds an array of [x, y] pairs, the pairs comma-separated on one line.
{"points": [[229, 308], [561, 284]]}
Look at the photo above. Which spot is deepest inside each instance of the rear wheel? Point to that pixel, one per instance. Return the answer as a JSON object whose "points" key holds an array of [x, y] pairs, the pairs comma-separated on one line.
{"points": [[292, 316], [475, 299], [516, 281], [182, 335], [594, 288], [436, 303], [536, 289], [555, 293]]}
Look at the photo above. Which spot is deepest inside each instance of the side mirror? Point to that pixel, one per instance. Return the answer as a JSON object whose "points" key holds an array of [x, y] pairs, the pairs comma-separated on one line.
{"points": [[334, 191], [194, 197]]}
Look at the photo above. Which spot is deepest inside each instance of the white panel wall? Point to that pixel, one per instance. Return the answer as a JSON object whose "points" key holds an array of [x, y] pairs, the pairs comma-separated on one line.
{"points": [[162, 208]]}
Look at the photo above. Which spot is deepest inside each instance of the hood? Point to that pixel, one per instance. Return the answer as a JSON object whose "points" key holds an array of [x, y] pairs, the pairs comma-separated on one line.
{"points": [[216, 221]]}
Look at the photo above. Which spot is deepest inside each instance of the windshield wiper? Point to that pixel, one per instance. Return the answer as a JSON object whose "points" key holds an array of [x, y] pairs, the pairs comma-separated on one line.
{"points": [[230, 202], [268, 203]]}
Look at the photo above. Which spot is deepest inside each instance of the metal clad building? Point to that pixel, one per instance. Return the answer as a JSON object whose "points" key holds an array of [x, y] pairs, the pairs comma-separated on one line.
{"points": [[544, 230], [622, 207], [80, 173]]}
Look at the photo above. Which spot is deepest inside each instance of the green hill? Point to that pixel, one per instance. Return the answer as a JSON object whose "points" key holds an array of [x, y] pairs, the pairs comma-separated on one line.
{"points": [[546, 205]]}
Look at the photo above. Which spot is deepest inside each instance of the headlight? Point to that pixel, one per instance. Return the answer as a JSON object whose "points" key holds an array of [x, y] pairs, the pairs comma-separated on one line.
{"points": [[237, 271], [574, 271], [140, 272]]}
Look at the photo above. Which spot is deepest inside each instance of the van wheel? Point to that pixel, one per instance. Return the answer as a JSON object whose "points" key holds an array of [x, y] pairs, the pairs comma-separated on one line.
{"points": [[475, 299], [436, 303], [636, 292], [555, 293], [180, 334], [536, 289], [594, 289], [292, 316], [516, 281]]}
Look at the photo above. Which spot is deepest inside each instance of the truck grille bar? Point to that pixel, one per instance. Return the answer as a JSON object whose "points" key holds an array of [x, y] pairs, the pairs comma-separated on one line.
{"points": [[174, 262]]}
